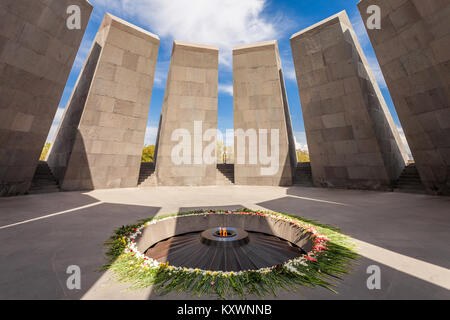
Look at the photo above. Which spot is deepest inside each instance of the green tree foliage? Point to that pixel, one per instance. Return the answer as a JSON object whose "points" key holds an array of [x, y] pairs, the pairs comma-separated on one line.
{"points": [[220, 151], [303, 156], [148, 153], [45, 151]]}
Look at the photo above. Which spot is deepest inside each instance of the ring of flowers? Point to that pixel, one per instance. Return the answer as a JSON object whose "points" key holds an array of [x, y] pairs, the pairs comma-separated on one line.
{"points": [[319, 241]]}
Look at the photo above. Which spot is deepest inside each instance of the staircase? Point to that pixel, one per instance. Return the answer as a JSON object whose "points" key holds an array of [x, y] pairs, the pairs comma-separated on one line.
{"points": [[147, 175], [225, 174], [303, 174], [43, 180], [409, 181]]}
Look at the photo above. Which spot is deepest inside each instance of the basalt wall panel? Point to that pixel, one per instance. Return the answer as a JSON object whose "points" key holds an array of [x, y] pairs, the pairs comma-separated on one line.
{"points": [[37, 51], [100, 140], [413, 49], [189, 111], [352, 139], [261, 110]]}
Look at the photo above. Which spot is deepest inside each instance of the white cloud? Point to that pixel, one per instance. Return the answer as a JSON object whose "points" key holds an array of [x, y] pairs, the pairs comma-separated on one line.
{"points": [[151, 134], [213, 22], [376, 70], [226, 88], [300, 141], [405, 142], [289, 73], [364, 40], [360, 30], [83, 52], [55, 124], [162, 69]]}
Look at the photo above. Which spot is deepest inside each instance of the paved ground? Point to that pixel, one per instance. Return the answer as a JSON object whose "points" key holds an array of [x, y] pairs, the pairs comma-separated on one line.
{"points": [[406, 235]]}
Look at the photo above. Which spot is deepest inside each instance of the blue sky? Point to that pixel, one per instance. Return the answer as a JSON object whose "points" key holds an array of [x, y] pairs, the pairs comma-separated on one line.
{"points": [[224, 23]]}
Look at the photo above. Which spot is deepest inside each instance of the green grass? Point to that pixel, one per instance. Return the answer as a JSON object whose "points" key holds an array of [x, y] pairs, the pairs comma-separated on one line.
{"points": [[331, 266]]}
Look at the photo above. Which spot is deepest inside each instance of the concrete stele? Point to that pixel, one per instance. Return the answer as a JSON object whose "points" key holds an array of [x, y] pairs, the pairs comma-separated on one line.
{"points": [[352, 138], [413, 49], [260, 103], [37, 51], [100, 139], [190, 102]]}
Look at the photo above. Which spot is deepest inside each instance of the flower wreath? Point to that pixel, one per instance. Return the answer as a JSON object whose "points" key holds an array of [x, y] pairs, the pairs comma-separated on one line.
{"points": [[330, 257]]}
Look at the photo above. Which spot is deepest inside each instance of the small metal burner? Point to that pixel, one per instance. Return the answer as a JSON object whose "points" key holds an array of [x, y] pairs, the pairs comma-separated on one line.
{"points": [[225, 233], [224, 237]]}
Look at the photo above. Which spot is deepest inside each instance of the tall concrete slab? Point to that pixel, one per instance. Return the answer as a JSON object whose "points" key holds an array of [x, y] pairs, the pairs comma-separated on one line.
{"points": [[261, 109], [189, 118], [352, 139], [37, 51], [188, 125], [100, 139], [188, 121], [413, 49]]}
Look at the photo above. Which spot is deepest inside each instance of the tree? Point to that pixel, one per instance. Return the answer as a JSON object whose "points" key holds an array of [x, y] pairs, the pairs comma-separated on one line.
{"points": [[303, 156], [229, 154], [148, 153], [45, 151], [220, 151]]}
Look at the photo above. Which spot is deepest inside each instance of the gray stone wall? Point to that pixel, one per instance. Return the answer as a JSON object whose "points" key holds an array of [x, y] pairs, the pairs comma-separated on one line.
{"points": [[413, 49], [37, 52], [190, 99], [352, 138], [100, 140], [260, 103]]}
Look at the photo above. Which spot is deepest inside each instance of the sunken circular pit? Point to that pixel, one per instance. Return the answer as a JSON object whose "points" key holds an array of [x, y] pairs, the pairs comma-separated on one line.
{"points": [[232, 249], [229, 252], [223, 242]]}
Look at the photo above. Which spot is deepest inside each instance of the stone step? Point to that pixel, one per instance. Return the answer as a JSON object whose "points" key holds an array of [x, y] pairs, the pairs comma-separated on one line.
{"points": [[147, 175], [409, 181], [41, 186], [225, 174], [409, 178], [44, 177], [303, 175], [43, 180], [304, 184], [44, 184], [42, 191], [410, 190], [224, 179]]}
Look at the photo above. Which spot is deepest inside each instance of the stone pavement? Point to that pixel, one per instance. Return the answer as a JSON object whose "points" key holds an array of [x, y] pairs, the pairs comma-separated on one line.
{"points": [[406, 235]]}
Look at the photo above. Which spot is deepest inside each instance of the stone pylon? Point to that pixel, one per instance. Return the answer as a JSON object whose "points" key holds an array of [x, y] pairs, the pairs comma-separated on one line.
{"points": [[186, 145], [352, 138], [37, 51], [413, 49], [100, 139], [264, 143]]}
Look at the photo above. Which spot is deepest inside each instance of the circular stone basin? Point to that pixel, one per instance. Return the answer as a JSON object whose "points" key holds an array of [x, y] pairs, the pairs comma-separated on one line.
{"points": [[216, 237], [253, 242]]}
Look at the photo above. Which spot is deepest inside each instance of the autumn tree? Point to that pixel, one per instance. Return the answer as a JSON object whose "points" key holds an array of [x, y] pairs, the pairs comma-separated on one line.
{"points": [[148, 153], [303, 156], [45, 151]]}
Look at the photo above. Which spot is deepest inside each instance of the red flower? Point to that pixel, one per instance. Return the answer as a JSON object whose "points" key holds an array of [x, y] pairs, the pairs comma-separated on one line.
{"points": [[311, 259]]}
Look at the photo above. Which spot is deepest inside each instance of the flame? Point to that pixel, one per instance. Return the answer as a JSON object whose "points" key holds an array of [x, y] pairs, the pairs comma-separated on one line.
{"points": [[223, 232]]}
